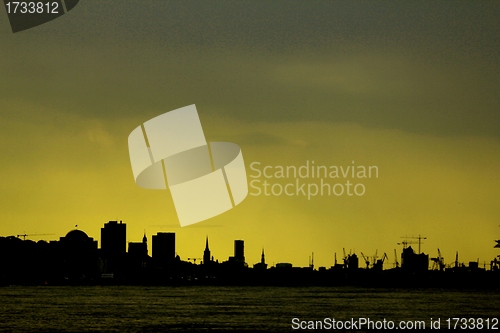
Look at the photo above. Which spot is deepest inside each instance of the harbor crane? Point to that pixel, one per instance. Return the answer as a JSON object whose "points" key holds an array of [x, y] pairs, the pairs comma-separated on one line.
{"points": [[375, 256], [438, 262], [379, 264], [345, 257], [366, 259], [384, 257], [26, 235], [396, 263]]}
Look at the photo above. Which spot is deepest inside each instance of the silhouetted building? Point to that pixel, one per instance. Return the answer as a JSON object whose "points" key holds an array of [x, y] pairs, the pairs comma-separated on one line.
{"points": [[351, 262], [206, 254], [238, 260], [138, 249], [284, 265], [138, 254], [79, 255], [262, 264], [473, 265], [239, 250], [114, 239], [113, 248], [164, 248], [413, 262]]}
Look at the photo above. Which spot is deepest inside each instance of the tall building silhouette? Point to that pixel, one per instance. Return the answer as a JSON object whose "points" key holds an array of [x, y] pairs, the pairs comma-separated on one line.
{"points": [[163, 248], [239, 250], [113, 247], [238, 259], [206, 254], [114, 239]]}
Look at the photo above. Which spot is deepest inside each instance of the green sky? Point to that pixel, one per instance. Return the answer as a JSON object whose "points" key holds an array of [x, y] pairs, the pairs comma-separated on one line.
{"points": [[412, 88]]}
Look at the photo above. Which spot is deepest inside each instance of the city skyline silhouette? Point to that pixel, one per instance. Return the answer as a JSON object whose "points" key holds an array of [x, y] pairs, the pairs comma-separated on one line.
{"points": [[345, 85], [77, 258], [368, 132]]}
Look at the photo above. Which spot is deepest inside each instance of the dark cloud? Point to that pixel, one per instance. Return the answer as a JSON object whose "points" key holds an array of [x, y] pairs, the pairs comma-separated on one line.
{"points": [[420, 67], [259, 139], [280, 25]]}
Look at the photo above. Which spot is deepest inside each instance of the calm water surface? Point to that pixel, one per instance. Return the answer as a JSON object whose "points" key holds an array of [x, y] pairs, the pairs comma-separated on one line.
{"points": [[204, 308]]}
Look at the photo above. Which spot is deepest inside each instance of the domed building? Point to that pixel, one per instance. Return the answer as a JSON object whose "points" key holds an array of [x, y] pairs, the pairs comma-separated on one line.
{"points": [[79, 255], [76, 236]]}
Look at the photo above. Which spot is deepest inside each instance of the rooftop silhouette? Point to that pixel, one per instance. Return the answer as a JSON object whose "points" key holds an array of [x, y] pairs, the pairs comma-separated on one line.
{"points": [[76, 259]]}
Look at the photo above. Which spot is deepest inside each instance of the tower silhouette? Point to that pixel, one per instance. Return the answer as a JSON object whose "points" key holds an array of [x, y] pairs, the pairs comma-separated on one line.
{"points": [[164, 248], [113, 247], [114, 239], [262, 264], [138, 254], [239, 251], [206, 254]]}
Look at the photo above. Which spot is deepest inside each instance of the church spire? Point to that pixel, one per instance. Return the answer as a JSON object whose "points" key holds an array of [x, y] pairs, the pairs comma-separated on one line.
{"points": [[206, 254], [262, 258]]}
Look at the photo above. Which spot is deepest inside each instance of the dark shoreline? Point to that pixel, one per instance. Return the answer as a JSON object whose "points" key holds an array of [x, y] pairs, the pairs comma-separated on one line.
{"points": [[398, 279]]}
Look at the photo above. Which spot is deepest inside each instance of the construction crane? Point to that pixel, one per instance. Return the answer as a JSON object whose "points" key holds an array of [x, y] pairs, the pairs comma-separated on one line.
{"points": [[366, 259], [419, 242], [419, 237], [405, 243], [26, 235]]}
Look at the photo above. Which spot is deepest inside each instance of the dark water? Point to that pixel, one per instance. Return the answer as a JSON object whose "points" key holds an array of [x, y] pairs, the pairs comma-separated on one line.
{"points": [[204, 308]]}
